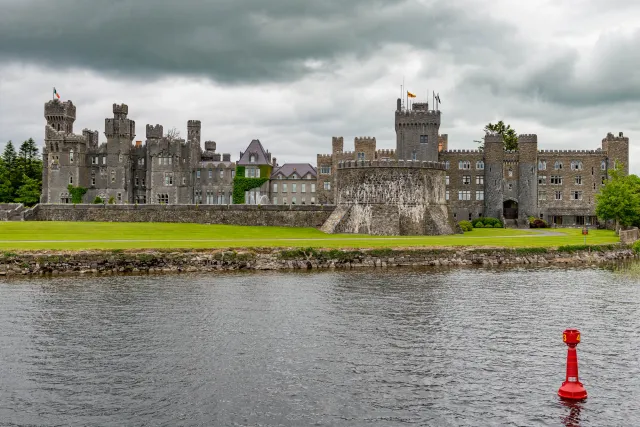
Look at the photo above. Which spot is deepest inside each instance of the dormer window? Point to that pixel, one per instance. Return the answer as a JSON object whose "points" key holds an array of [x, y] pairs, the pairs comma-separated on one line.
{"points": [[294, 176], [252, 158]]}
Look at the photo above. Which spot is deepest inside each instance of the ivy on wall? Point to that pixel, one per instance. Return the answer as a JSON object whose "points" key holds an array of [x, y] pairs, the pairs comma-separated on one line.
{"points": [[76, 193], [242, 183]]}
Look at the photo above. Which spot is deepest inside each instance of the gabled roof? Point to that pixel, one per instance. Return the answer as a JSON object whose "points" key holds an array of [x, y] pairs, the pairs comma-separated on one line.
{"points": [[255, 147], [288, 169]]}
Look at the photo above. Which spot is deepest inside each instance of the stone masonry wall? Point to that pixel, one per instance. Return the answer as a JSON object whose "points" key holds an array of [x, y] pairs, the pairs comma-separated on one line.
{"points": [[267, 215]]}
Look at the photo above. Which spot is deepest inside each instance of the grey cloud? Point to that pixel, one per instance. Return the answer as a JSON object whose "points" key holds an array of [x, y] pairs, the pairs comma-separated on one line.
{"points": [[236, 41]]}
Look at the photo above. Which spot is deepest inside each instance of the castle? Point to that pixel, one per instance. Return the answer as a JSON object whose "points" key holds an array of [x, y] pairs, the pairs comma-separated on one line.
{"points": [[420, 187], [558, 186]]}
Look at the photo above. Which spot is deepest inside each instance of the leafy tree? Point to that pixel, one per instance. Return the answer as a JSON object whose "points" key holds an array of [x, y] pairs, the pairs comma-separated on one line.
{"points": [[619, 199], [509, 135], [77, 193], [9, 156], [28, 159], [6, 189], [29, 192]]}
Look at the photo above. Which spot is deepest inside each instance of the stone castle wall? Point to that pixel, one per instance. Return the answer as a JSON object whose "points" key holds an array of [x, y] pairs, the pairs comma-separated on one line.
{"points": [[266, 215]]}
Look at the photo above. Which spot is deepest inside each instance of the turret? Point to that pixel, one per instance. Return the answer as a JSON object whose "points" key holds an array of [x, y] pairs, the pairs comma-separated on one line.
{"points": [[154, 132], [417, 133], [60, 115], [527, 176], [337, 144], [120, 126], [493, 173], [194, 128], [617, 149]]}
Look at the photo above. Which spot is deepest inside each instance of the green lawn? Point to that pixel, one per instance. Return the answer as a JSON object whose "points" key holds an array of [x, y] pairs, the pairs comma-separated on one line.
{"points": [[113, 235]]}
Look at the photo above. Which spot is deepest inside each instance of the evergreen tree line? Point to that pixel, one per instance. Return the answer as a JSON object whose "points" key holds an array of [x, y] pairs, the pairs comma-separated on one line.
{"points": [[21, 174]]}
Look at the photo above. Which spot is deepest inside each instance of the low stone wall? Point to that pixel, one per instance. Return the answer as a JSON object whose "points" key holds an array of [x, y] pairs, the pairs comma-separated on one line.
{"points": [[629, 236], [116, 262], [272, 215]]}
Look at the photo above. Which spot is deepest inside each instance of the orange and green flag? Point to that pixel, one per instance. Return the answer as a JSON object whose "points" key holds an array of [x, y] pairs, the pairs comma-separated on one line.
{"points": [[55, 93]]}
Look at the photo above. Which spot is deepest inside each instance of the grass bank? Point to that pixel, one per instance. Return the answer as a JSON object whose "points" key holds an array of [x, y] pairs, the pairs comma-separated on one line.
{"points": [[46, 235]]}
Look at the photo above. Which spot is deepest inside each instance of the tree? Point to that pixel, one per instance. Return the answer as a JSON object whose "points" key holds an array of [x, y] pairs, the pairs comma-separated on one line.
{"points": [[28, 159], [173, 134], [509, 135], [29, 192], [6, 189], [9, 156], [619, 199]]}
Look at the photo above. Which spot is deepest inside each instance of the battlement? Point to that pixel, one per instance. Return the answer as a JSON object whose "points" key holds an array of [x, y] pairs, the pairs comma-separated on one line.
{"points": [[210, 145], [528, 138], [195, 123], [120, 111], [619, 138], [386, 152], [56, 108], [91, 136], [571, 152], [324, 158], [226, 157], [392, 163], [461, 151], [337, 144], [364, 139], [56, 135], [493, 137], [419, 113], [154, 131]]}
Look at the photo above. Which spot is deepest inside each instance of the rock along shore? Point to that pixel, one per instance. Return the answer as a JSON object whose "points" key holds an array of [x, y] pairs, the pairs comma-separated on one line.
{"points": [[167, 261]]}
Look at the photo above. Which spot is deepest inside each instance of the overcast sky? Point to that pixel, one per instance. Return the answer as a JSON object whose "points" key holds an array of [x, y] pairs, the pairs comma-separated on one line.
{"points": [[294, 73]]}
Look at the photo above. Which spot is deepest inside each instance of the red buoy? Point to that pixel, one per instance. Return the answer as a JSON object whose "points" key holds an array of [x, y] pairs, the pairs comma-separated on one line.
{"points": [[572, 388]]}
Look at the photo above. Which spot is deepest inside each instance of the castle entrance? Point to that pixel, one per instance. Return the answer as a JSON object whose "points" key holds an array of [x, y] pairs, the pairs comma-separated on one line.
{"points": [[510, 209]]}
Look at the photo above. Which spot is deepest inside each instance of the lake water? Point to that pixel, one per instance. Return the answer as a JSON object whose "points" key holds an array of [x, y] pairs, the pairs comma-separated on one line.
{"points": [[365, 348]]}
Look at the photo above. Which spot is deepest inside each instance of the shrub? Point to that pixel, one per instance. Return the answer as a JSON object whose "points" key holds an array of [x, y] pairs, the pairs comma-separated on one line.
{"points": [[497, 225], [490, 221], [476, 221], [479, 225], [98, 201], [112, 200], [538, 223], [466, 225]]}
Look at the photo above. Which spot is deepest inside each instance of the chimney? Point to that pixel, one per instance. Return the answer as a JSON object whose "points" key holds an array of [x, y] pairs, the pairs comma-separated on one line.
{"points": [[138, 143], [274, 163]]}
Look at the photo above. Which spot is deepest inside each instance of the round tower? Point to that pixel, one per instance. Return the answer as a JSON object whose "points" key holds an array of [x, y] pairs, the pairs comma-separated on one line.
{"points": [[417, 133], [194, 128], [493, 175], [60, 115]]}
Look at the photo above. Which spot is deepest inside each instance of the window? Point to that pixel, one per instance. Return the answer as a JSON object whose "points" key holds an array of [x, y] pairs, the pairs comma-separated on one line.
{"points": [[446, 195], [558, 195], [120, 158], [464, 164], [557, 165], [113, 176], [168, 178], [424, 139], [137, 181], [480, 195], [93, 180], [576, 165], [275, 187], [327, 185], [104, 160], [221, 173], [556, 180], [294, 176], [578, 180], [510, 172], [94, 160], [480, 165], [184, 180], [293, 200], [594, 185], [446, 180], [360, 157], [233, 173], [313, 188], [542, 180], [414, 156], [576, 195], [313, 200], [143, 183], [119, 197], [257, 173], [70, 179], [542, 165], [284, 200], [198, 173], [284, 187], [163, 199], [252, 158], [303, 188], [603, 165], [479, 179], [542, 195], [274, 201], [325, 170], [294, 188], [464, 195], [71, 156], [447, 164], [197, 196], [466, 179], [510, 187], [141, 162], [604, 178], [210, 174]]}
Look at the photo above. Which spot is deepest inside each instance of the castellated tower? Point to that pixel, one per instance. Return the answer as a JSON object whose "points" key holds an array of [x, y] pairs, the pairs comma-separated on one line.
{"points": [[60, 115], [417, 132], [617, 149], [194, 128], [120, 132], [493, 175], [527, 176]]}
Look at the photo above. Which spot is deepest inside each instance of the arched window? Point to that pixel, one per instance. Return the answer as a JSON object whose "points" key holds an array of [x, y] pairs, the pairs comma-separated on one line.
{"points": [[542, 165], [71, 155], [510, 172], [557, 165], [252, 158], [447, 164], [480, 165], [603, 165], [576, 165]]}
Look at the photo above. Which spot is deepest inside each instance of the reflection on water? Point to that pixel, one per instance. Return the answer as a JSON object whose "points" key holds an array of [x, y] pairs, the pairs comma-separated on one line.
{"points": [[375, 348]]}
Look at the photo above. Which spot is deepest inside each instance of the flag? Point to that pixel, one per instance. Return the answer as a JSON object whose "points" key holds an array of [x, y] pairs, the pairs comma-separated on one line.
{"points": [[55, 92], [410, 95], [438, 98]]}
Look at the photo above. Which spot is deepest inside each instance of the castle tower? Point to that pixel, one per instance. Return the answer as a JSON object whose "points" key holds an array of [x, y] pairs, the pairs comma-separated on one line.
{"points": [[527, 176], [493, 175], [617, 148], [365, 145], [120, 131], [194, 128], [60, 115], [417, 132]]}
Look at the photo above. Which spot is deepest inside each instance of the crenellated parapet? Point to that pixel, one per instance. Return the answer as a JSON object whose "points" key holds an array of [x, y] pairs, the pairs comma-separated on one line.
{"points": [[409, 118], [493, 137], [154, 132], [391, 163], [337, 144], [91, 136], [461, 151], [527, 138], [59, 109], [570, 152], [120, 111], [210, 146], [385, 152], [324, 158]]}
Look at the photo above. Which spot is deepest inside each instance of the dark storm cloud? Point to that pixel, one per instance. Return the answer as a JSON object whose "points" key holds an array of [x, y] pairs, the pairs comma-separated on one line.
{"points": [[236, 41]]}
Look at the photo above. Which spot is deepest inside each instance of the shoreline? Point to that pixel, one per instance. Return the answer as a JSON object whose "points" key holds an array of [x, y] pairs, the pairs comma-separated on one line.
{"points": [[110, 262]]}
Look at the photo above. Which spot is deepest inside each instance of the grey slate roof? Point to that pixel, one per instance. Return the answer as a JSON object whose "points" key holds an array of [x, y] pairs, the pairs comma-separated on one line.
{"points": [[255, 147], [301, 169]]}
